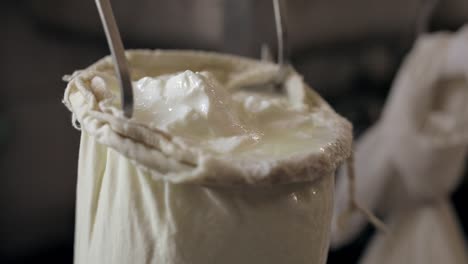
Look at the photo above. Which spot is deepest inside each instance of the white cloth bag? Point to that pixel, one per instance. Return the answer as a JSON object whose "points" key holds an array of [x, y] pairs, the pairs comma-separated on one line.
{"points": [[409, 163], [147, 197]]}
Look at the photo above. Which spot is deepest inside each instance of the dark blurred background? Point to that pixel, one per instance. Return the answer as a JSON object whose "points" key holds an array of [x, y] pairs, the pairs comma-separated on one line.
{"points": [[347, 50]]}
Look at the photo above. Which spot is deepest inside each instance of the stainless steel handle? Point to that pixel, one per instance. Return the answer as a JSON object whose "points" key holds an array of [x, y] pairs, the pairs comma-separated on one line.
{"points": [[283, 44], [118, 55], [281, 32]]}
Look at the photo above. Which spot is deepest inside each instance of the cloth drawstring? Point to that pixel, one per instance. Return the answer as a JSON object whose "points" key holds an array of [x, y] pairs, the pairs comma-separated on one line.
{"points": [[354, 205]]}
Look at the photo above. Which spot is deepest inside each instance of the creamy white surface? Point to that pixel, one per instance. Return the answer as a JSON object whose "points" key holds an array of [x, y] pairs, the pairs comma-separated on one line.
{"points": [[198, 108]]}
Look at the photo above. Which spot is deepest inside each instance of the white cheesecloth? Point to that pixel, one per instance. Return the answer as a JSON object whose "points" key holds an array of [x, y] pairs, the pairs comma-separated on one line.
{"points": [[144, 196], [409, 163]]}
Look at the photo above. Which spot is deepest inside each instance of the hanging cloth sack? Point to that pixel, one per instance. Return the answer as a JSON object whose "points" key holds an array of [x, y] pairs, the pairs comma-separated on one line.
{"points": [[146, 196], [409, 163]]}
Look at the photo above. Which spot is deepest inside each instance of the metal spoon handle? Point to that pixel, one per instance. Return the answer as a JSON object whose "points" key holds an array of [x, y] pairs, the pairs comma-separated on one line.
{"points": [[281, 32], [118, 55]]}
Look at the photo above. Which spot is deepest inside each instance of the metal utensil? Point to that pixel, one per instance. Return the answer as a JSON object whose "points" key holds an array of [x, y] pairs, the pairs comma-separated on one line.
{"points": [[120, 62], [281, 32], [118, 55], [282, 58], [283, 44]]}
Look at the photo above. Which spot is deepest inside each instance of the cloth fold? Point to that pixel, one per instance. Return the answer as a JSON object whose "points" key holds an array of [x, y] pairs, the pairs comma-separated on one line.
{"points": [[412, 159]]}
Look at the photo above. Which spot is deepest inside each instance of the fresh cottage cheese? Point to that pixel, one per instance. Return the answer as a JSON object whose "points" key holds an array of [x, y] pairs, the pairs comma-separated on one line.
{"points": [[195, 106]]}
